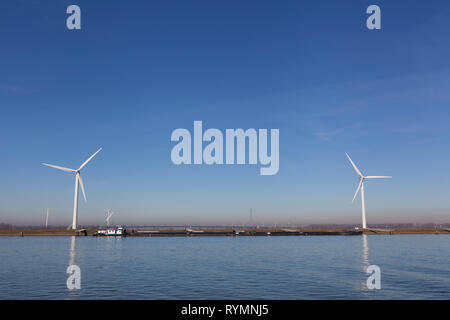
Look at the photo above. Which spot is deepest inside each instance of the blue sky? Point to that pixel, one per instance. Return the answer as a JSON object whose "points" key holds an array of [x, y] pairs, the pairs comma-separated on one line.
{"points": [[137, 71]]}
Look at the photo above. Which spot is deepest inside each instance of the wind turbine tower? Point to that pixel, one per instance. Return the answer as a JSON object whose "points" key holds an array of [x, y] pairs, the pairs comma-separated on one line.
{"points": [[46, 220]]}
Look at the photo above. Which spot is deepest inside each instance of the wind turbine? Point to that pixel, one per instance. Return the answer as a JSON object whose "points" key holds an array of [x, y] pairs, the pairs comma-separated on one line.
{"points": [[78, 182], [109, 214], [361, 187], [46, 220]]}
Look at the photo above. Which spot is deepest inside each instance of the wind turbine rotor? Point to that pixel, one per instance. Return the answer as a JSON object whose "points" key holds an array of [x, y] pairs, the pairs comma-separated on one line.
{"points": [[361, 181], [377, 177], [80, 180], [90, 158], [354, 166], [59, 168]]}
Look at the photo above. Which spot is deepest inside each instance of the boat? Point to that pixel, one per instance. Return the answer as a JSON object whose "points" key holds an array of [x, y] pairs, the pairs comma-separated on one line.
{"points": [[117, 231], [189, 231]]}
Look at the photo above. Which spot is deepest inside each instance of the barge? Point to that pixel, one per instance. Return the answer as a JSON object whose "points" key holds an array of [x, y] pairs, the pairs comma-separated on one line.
{"points": [[188, 232], [105, 232]]}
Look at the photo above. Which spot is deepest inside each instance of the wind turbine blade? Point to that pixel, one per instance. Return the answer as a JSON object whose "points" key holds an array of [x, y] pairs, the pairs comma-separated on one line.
{"points": [[354, 165], [357, 190], [82, 186], [58, 167], [90, 158], [377, 177]]}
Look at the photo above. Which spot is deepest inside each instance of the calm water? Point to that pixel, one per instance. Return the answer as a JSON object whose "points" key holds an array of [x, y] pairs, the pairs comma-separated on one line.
{"points": [[322, 267]]}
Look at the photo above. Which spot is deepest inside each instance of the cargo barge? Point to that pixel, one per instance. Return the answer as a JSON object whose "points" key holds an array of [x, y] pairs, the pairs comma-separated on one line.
{"points": [[234, 232], [107, 232]]}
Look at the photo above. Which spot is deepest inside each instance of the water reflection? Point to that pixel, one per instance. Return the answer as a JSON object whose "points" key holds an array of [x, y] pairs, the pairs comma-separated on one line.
{"points": [[365, 256], [112, 247], [365, 263], [72, 251], [174, 268], [72, 294]]}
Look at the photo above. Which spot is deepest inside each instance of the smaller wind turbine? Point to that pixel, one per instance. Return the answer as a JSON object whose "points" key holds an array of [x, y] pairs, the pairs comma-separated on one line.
{"points": [[46, 220], [361, 187], [109, 214]]}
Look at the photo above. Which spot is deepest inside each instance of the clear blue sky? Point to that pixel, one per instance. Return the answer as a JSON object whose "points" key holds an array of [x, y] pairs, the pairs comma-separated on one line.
{"points": [[138, 70]]}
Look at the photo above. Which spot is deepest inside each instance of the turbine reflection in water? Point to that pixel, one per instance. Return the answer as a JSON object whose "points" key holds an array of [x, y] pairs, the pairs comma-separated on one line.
{"points": [[72, 251], [365, 255], [72, 294], [364, 265]]}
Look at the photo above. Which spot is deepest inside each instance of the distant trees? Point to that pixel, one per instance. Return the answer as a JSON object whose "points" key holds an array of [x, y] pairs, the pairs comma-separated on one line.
{"points": [[4, 226]]}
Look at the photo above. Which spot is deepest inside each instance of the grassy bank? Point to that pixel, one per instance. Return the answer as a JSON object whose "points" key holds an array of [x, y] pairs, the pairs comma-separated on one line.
{"points": [[63, 232], [411, 231], [40, 232]]}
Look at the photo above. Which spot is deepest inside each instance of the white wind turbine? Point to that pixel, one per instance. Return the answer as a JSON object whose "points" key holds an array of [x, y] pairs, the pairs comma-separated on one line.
{"points": [[109, 214], [78, 181], [46, 220], [361, 187]]}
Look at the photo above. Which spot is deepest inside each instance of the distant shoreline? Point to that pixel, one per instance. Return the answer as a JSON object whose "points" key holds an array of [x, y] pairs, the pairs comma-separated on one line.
{"points": [[228, 232]]}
